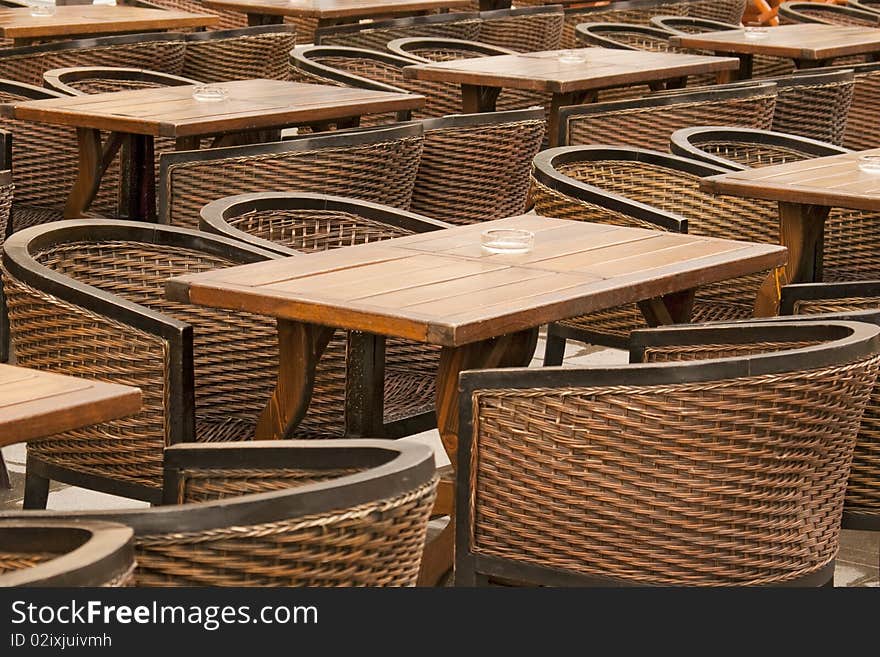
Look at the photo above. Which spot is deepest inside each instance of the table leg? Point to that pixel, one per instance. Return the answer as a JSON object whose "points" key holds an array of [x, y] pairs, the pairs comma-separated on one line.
{"points": [[300, 347], [513, 350], [264, 19], [139, 173], [476, 99], [558, 101], [674, 308], [88, 175], [802, 230]]}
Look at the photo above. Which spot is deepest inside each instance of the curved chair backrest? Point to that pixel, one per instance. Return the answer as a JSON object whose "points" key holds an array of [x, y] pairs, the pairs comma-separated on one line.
{"points": [[377, 165], [371, 69], [814, 104], [433, 49], [86, 298], [525, 29], [162, 52], [624, 36], [739, 149], [862, 127], [357, 512], [476, 167], [240, 54], [648, 122], [71, 553], [6, 228], [753, 432], [810, 12], [864, 5], [375, 34], [83, 80], [682, 25]]}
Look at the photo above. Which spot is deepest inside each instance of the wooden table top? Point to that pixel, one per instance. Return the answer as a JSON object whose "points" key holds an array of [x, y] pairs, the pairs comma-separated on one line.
{"points": [[834, 181], [36, 404], [334, 8], [74, 20], [542, 71], [809, 41], [442, 288], [172, 111]]}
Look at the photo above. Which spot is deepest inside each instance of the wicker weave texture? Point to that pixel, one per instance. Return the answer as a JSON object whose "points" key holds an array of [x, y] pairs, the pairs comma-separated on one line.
{"points": [[818, 111], [862, 127], [199, 485], [728, 482], [651, 127], [472, 174], [376, 544], [525, 33], [260, 56], [12, 561], [98, 85], [805, 14], [376, 38]]}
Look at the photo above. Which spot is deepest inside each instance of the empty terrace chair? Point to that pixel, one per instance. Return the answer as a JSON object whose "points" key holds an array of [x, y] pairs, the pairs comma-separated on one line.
{"points": [[476, 167], [375, 34], [721, 471], [526, 29], [82, 80], [377, 165], [812, 12], [297, 222], [649, 122], [291, 513], [68, 552], [814, 104], [245, 53], [862, 128], [162, 52], [647, 189]]}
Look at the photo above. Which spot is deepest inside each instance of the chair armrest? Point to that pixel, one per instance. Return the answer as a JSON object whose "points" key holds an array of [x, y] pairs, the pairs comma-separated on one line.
{"points": [[830, 297]]}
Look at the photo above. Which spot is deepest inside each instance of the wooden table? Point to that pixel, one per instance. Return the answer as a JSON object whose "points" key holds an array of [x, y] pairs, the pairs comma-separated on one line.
{"points": [[808, 44], [484, 310], [806, 191], [482, 78], [331, 12], [137, 117], [79, 21]]}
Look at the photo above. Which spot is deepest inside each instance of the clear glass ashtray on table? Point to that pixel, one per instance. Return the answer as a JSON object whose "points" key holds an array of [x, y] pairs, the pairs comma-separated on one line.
{"points": [[870, 164], [507, 240], [755, 32], [571, 57], [210, 94], [42, 9]]}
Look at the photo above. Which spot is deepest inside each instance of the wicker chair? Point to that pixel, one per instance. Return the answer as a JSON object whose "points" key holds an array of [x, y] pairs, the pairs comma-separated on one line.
{"points": [[81, 80], [814, 105], [65, 553], [292, 223], [649, 122], [162, 52], [763, 66], [282, 513], [377, 165], [375, 34], [864, 5], [246, 53], [476, 167], [862, 127], [642, 11], [721, 471], [526, 29], [811, 12], [646, 189]]}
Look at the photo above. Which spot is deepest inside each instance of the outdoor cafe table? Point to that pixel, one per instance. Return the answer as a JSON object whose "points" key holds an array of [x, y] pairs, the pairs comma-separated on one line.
{"points": [[78, 21], [138, 116], [331, 12], [570, 83], [482, 309], [808, 44], [806, 191]]}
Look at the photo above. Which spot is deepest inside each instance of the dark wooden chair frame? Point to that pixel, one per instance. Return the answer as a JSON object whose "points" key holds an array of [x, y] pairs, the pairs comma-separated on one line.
{"points": [[602, 34], [669, 24], [299, 58], [399, 47], [90, 553], [396, 23], [59, 79], [791, 11], [849, 342], [252, 30]]}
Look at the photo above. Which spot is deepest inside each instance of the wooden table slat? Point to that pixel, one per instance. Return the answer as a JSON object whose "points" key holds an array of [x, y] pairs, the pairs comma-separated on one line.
{"points": [[329, 9]]}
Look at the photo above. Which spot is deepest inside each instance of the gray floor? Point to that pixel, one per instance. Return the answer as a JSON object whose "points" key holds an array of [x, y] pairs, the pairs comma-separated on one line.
{"points": [[858, 563]]}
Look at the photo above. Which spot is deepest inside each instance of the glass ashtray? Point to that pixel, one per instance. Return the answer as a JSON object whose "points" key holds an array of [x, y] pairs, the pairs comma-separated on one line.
{"points": [[571, 57], [210, 94], [507, 240], [42, 10], [755, 32], [870, 164]]}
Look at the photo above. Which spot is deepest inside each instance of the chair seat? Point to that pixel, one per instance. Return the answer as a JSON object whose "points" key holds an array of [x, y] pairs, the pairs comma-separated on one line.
{"points": [[408, 394]]}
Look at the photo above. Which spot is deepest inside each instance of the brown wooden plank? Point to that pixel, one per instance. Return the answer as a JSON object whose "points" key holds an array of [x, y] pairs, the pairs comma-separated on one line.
{"points": [[334, 8]]}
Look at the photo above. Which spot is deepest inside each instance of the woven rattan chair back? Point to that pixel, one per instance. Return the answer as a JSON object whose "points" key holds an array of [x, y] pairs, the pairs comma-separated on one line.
{"points": [[83, 80], [6, 227], [377, 165], [374, 35], [864, 5], [86, 298], [71, 553], [476, 167], [526, 29], [753, 431], [810, 12], [641, 12], [862, 127], [649, 122], [814, 105], [370, 69], [316, 513], [261, 52], [162, 52]]}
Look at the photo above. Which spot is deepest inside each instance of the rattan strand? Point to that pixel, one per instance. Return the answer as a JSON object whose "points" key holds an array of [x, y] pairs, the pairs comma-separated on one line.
{"points": [[816, 111], [11, 561], [204, 485], [862, 126], [524, 33], [258, 56], [376, 38]]}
